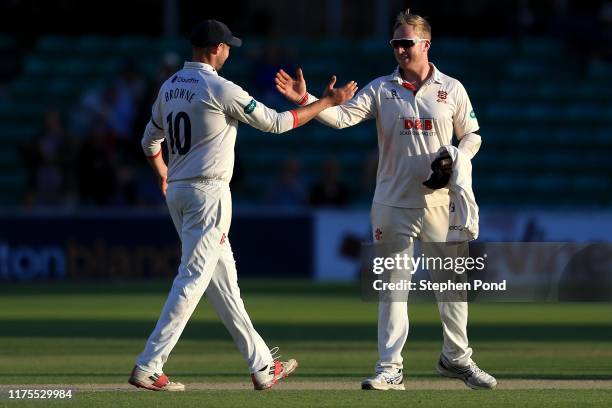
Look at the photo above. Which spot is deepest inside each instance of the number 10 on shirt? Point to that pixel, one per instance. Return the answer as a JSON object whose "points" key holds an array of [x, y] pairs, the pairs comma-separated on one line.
{"points": [[174, 128]]}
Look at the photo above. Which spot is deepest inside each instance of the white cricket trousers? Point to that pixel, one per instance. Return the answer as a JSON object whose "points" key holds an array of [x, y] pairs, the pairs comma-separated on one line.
{"points": [[406, 225], [202, 212]]}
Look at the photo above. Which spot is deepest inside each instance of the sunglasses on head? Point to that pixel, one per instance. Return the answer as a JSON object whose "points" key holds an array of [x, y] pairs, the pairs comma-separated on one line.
{"points": [[405, 42]]}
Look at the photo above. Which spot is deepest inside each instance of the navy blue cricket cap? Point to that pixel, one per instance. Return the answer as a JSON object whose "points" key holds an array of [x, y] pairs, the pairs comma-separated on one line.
{"points": [[212, 32]]}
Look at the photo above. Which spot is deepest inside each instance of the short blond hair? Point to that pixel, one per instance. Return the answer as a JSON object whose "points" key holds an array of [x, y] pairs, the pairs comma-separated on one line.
{"points": [[421, 26]]}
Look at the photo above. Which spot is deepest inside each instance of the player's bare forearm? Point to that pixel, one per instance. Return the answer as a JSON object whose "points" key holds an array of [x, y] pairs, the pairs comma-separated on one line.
{"points": [[161, 171], [331, 97], [306, 113]]}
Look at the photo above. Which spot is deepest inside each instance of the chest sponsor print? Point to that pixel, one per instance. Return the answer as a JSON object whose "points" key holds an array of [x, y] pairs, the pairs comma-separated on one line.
{"points": [[413, 126]]}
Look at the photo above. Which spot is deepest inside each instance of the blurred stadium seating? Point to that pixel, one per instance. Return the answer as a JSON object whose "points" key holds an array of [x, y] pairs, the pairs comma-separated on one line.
{"points": [[545, 119]]}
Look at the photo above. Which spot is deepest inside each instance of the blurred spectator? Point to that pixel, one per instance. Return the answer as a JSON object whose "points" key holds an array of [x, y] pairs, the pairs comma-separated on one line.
{"points": [[126, 192], [130, 91], [104, 105], [117, 111], [110, 121], [171, 62], [131, 86], [96, 179], [116, 105], [50, 183], [330, 190], [47, 161], [287, 190]]}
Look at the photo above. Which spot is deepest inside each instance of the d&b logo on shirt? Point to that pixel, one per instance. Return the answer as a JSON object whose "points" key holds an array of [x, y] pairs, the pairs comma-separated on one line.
{"points": [[417, 127], [418, 123]]}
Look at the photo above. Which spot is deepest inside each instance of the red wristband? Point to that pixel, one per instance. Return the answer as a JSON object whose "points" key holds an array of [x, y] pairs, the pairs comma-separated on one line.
{"points": [[296, 120], [303, 99]]}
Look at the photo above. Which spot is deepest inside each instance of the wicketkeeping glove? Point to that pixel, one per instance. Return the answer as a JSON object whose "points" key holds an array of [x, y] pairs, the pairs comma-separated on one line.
{"points": [[442, 168]]}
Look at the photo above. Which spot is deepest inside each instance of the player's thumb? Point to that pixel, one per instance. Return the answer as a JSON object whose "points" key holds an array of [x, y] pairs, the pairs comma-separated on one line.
{"points": [[332, 82], [300, 75]]}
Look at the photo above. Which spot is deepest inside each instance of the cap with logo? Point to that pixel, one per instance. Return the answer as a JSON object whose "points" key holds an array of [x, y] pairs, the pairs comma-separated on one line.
{"points": [[212, 32]]}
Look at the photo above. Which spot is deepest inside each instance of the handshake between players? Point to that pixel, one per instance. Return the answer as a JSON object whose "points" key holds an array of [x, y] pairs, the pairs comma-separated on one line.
{"points": [[197, 112]]}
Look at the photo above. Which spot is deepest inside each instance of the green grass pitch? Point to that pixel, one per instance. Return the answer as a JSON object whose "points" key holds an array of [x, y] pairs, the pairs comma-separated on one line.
{"points": [[63, 335]]}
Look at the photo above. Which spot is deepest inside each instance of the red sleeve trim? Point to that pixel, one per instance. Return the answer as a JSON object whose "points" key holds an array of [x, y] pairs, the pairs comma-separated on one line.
{"points": [[296, 120], [303, 99], [155, 155]]}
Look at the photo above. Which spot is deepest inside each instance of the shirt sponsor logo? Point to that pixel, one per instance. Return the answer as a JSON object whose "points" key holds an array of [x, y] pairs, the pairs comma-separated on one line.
{"points": [[178, 78], [418, 123], [250, 107], [421, 126]]}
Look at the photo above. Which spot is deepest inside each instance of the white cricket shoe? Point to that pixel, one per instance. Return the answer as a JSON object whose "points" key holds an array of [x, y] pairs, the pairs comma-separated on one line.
{"points": [[272, 373], [153, 381], [471, 375], [385, 380]]}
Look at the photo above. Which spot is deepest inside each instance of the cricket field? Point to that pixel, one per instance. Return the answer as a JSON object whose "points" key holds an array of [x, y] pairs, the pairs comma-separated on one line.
{"points": [[85, 337]]}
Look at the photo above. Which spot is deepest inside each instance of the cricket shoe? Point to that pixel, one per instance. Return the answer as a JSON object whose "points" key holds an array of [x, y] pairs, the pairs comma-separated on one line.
{"points": [[471, 375], [272, 373], [153, 381], [385, 380]]}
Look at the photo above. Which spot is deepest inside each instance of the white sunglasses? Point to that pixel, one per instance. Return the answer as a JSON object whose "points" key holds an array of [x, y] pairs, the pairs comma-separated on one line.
{"points": [[405, 42]]}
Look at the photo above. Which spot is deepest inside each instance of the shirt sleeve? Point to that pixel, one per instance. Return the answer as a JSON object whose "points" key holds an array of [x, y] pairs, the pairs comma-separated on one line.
{"points": [[464, 118], [154, 132], [361, 107], [238, 104], [469, 144]]}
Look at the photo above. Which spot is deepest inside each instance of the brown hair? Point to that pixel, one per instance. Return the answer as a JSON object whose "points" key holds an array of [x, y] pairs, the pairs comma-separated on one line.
{"points": [[421, 26]]}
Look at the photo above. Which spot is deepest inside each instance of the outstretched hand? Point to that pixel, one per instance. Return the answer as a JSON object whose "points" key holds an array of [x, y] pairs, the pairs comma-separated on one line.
{"points": [[293, 89], [340, 95]]}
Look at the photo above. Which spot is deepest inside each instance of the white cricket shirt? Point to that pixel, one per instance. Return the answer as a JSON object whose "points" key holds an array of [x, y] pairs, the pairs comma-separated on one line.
{"points": [[411, 128], [198, 111]]}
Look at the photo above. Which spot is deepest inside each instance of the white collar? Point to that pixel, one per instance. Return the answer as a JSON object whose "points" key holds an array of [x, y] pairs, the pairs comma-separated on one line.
{"points": [[435, 76], [200, 65]]}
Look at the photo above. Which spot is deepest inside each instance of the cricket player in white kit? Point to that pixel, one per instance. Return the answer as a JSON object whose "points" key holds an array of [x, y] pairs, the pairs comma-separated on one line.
{"points": [[197, 113], [417, 108]]}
